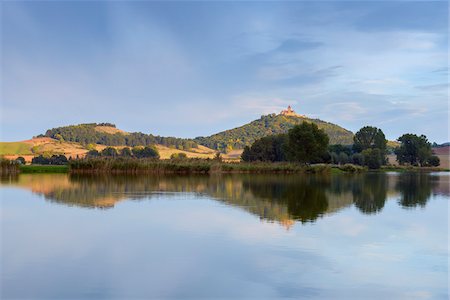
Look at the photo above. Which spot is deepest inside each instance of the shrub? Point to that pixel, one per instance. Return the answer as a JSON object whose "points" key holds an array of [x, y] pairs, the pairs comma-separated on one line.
{"points": [[433, 161], [21, 160], [178, 156]]}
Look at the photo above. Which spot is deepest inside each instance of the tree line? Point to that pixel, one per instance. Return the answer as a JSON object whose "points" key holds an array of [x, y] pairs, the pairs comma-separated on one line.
{"points": [[86, 134], [306, 143], [135, 152]]}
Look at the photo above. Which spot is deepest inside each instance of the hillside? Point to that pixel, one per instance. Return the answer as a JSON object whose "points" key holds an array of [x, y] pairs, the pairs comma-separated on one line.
{"points": [[242, 136], [48, 146], [107, 134]]}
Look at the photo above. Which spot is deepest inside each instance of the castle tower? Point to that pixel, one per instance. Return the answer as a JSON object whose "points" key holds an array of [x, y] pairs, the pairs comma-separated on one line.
{"points": [[290, 112]]}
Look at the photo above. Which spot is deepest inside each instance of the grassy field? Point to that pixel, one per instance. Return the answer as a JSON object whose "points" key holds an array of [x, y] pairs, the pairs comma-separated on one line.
{"points": [[13, 148], [44, 169]]}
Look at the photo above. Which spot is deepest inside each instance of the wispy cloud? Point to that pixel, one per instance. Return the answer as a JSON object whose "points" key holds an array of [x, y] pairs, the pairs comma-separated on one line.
{"points": [[164, 67]]}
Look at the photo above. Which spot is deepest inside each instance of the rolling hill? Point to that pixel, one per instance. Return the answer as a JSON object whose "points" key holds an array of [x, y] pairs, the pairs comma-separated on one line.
{"points": [[107, 134], [75, 140], [245, 135]]}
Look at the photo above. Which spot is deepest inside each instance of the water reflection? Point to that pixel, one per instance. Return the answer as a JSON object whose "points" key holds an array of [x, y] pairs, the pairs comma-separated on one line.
{"points": [[280, 198]]}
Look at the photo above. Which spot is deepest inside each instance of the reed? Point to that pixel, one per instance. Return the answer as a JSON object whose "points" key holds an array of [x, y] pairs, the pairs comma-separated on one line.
{"points": [[190, 166], [8, 167]]}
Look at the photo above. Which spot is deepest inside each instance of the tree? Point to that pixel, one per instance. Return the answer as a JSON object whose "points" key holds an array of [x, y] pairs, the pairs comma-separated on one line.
{"points": [[269, 148], [109, 152], [414, 150], [21, 160], [93, 153], [370, 142], [358, 159], [369, 137], [126, 152], [306, 143], [145, 152], [53, 160], [373, 158]]}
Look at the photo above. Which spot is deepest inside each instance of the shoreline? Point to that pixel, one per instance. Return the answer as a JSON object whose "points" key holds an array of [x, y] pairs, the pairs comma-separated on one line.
{"points": [[206, 167]]}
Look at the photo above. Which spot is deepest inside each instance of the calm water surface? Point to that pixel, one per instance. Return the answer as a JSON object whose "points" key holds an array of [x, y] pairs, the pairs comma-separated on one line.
{"points": [[371, 236]]}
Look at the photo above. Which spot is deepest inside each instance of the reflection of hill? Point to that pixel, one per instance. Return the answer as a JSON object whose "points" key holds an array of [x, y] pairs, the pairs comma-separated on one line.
{"points": [[281, 198]]}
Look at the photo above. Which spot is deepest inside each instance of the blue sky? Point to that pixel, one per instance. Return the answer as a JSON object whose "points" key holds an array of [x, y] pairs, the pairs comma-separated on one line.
{"points": [[195, 68]]}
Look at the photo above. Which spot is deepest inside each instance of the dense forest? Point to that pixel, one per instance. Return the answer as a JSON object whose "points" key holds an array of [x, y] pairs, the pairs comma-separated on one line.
{"points": [[89, 134], [273, 124]]}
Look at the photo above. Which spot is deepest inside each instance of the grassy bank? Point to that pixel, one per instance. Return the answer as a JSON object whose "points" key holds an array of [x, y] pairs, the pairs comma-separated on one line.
{"points": [[44, 169], [195, 166], [399, 168]]}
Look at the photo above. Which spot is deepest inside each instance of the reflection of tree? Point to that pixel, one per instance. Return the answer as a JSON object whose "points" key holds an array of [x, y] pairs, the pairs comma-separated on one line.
{"points": [[415, 188], [369, 192], [281, 198], [304, 196]]}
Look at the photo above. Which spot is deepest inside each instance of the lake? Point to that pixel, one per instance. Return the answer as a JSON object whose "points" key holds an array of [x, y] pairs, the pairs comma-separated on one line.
{"points": [[367, 236]]}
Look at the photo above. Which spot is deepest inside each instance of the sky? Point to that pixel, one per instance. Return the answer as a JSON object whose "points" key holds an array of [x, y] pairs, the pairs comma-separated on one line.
{"points": [[190, 69]]}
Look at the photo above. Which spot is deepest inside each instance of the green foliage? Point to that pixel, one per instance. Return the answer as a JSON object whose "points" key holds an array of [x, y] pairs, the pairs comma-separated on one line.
{"points": [[86, 134], [59, 137], [433, 161], [414, 150], [373, 158], [306, 143], [126, 152], [338, 149], [358, 159], [178, 156], [21, 160], [109, 152], [369, 138], [53, 160], [351, 168], [145, 152], [246, 135], [372, 144], [93, 153], [90, 147], [269, 148]]}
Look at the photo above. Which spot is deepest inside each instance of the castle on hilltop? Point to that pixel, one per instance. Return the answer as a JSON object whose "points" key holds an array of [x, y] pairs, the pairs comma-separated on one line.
{"points": [[290, 112]]}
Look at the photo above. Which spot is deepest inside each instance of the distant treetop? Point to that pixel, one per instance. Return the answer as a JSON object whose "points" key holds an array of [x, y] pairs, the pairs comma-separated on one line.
{"points": [[107, 124]]}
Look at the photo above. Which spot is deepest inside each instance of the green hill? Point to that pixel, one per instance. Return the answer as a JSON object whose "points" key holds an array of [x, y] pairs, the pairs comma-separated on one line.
{"points": [[242, 136], [107, 134]]}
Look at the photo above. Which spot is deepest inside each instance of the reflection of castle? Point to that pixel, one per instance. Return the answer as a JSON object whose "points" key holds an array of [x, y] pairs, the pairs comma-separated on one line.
{"points": [[290, 112]]}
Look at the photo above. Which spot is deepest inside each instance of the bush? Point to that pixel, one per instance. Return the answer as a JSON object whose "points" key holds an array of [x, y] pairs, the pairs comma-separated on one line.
{"points": [[109, 152], [433, 161], [21, 160], [358, 159], [373, 158], [93, 153], [351, 168], [178, 156], [126, 152], [145, 152], [53, 160]]}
